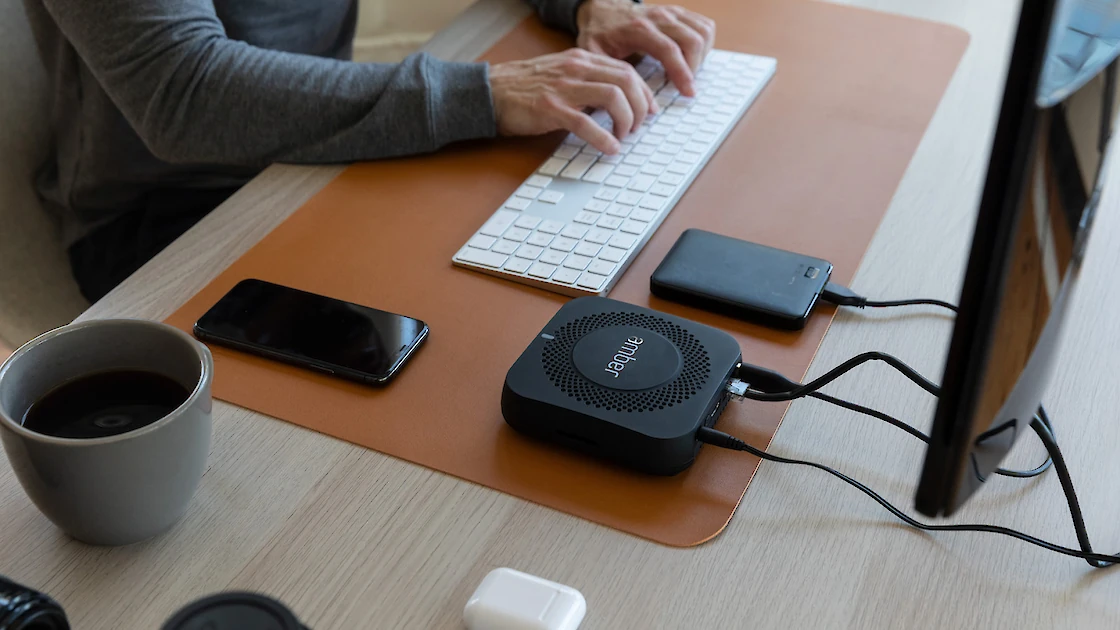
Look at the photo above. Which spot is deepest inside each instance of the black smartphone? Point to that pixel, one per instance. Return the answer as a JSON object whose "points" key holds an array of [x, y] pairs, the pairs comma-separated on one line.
{"points": [[769, 286], [320, 333]]}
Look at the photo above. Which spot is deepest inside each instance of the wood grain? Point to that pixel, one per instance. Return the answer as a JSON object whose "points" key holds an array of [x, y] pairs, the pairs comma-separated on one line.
{"points": [[353, 539]]}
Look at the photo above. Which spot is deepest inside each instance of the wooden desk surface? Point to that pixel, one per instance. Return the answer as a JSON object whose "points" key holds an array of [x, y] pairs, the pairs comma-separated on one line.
{"points": [[350, 538]]}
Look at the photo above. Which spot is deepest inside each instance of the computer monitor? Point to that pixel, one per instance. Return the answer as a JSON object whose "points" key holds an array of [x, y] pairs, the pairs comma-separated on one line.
{"points": [[1036, 212]]}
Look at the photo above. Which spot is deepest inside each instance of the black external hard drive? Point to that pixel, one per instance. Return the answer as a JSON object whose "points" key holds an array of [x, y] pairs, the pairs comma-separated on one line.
{"points": [[768, 286]]}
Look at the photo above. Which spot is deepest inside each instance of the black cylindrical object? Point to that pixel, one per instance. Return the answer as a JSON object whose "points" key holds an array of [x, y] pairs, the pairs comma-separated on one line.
{"points": [[234, 611], [23, 608]]}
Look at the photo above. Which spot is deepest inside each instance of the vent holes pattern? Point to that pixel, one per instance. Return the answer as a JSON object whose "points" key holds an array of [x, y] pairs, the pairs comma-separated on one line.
{"points": [[558, 365]]}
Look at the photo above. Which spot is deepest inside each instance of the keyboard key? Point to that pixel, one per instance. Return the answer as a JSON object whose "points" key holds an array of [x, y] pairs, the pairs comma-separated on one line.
{"points": [[629, 197], [517, 234], [624, 148], [661, 159], [689, 157], [527, 221], [642, 182], [616, 210], [528, 251], [662, 190], [504, 246], [481, 241], [484, 258], [552, 166], [590, 150], [618, 180], [671, 179], [540, 239], [578, 166], [631, 227], [607, 194], [567, 276], [672, 148], [541, 270], [651, 202], [566, 152], [673, 137], [598, 236], [575, 261], [539, 181], [596, 205], [711, 128], [498, 223], [612, 254], [664, 99], [623, 241], [598, 173], [550, 196], [680, 168], [626, 170], [653, 169], [528, 192], [587, 249], [563, 243], [517, 203], [643, 149], [609, 222], [550, 227], [552, 257], [601, 267], [586, 217], [574, 231], [686, 129], [642, 214], [611, 159], [635, 159], [696, 147], [591, 281], [517, 265]]}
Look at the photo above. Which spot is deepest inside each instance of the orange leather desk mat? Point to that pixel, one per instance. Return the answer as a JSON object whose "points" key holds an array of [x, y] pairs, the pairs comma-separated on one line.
{"points": [[811, 167]]}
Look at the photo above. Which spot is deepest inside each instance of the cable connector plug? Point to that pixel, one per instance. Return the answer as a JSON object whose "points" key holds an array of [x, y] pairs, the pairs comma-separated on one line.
{"points": [[841, 295], [720, 439]]}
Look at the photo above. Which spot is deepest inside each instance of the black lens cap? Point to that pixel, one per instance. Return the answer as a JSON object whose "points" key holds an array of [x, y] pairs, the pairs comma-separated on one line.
{"points": [[234, 611]]}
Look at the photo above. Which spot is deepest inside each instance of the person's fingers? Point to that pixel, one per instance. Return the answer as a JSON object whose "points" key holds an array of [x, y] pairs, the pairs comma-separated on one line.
{"points": [[646, 37], [688, 39], [583, 126], [703, 25], [605, 96], [624, 76]]}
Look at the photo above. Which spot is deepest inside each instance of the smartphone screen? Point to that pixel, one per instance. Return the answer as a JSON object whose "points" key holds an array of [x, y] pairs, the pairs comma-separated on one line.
{"points": [[310, 330]]}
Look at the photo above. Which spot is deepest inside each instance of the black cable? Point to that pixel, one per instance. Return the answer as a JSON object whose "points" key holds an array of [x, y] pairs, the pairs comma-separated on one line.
{"points": [[843, 296], [1097, 560], [754, 375], [895, 422]]}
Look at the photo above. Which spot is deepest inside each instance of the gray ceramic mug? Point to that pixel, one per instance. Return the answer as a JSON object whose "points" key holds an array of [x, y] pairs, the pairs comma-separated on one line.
{"points": [[123, 488]]}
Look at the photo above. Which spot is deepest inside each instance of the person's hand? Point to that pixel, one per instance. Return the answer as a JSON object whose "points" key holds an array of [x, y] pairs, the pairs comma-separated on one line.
{"points": [[547, 93], [677, 37]]}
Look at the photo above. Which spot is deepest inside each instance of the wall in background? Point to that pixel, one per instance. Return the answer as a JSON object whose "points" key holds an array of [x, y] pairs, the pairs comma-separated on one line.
{"points": [[390, 30]]}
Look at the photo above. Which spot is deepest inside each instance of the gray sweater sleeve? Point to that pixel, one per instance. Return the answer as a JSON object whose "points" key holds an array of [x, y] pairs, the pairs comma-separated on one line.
{"points": [[559, 14], [196, 96]]}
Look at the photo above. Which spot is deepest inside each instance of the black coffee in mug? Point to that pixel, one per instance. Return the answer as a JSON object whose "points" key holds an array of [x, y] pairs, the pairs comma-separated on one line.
{"points": [[104, 404]]}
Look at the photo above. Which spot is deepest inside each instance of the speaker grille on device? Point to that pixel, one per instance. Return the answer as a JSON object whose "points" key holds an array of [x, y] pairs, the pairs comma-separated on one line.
{"points": [[558, 365]]}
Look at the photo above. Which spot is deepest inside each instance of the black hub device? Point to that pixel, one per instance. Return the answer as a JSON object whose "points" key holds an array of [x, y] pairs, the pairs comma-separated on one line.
{"points": [[622, 383]]}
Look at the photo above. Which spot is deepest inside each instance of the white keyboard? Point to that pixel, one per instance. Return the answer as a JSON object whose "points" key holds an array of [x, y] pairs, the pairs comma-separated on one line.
{"points": [[574, 226]]}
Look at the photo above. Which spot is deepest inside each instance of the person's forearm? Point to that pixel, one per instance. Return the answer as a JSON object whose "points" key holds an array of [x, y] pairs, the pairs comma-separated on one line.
{"points": [[194, 95]]}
